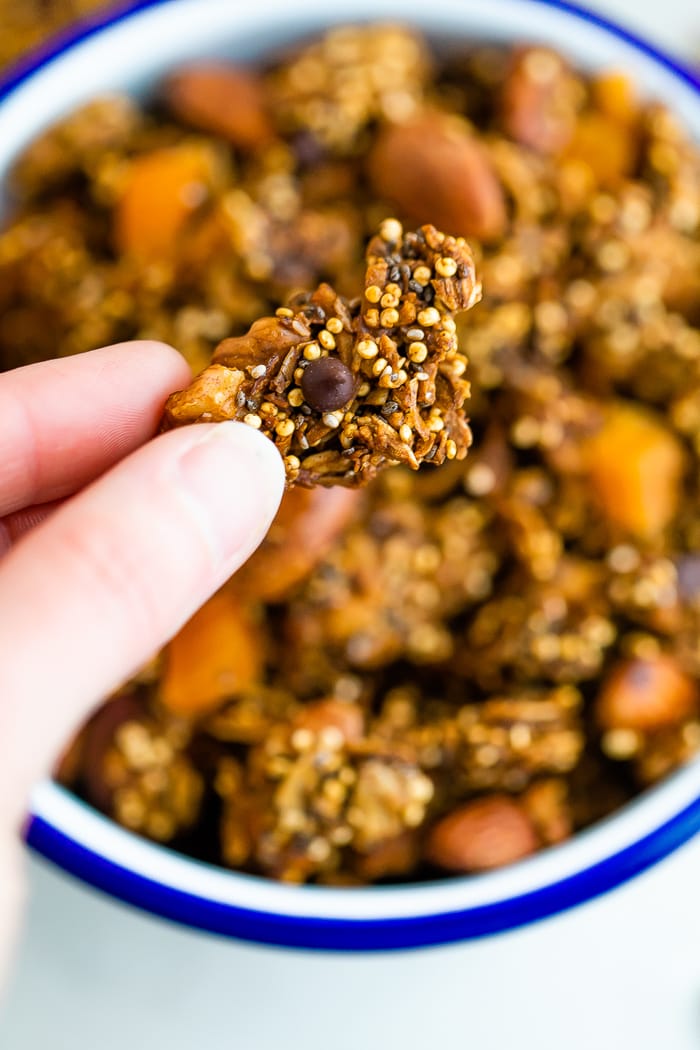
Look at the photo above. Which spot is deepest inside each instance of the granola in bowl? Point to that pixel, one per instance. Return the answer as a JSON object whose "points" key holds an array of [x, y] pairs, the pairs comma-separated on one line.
{"points": [[446, 669]]}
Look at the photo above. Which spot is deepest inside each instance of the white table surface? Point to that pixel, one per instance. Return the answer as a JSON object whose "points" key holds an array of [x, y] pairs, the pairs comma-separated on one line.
{"points": [[93, 975]]}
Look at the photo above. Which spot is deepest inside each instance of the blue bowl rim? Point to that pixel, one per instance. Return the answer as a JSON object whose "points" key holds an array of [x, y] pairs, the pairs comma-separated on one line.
{"points": [[367, 934], [348, 934]]}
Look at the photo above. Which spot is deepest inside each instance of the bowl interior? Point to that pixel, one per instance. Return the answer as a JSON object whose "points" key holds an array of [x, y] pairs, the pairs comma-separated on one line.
{"points": [[131, 54]]}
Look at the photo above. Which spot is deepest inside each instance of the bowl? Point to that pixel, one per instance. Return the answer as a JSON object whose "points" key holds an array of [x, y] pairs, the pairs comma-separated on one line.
{"points": [[130, 49]]}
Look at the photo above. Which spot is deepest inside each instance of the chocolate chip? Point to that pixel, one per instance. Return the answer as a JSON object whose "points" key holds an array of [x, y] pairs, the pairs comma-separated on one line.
{"points": [[328, 384]]}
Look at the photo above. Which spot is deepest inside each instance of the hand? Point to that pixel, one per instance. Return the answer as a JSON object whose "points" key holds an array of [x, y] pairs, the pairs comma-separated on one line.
{"points": [[109, 541]]}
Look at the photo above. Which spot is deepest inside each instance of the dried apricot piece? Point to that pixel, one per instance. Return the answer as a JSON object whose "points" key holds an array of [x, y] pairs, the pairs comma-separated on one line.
{"points": [[163, 189], [607, 147], [217, 653], [634, 464], [615, 96]]}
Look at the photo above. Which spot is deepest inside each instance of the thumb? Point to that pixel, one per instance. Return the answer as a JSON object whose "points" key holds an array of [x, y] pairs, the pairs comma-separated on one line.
{"points": [[97, 588]]}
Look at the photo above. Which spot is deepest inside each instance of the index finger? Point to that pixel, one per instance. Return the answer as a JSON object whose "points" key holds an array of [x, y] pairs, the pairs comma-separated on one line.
{"points": [[64, 422]]}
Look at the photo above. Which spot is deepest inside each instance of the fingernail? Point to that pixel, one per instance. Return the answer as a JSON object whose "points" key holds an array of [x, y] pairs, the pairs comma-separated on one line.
{"points": [[234, 479]]}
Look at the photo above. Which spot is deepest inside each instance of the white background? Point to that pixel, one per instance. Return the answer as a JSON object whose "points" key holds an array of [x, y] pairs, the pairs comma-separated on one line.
{"points": [[623, 972]]}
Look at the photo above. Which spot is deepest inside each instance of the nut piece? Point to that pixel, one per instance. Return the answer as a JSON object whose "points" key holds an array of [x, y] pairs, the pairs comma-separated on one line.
{"points": [[547, 804], [481, 835], [390, 859], [646, 695], [435, 170], [223, 100], [539, 100]]}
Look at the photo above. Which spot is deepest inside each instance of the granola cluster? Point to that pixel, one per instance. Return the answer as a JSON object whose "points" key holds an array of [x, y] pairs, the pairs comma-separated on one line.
{"points": [[446, 669], [336, 87], [26, 25], [344, 388]]}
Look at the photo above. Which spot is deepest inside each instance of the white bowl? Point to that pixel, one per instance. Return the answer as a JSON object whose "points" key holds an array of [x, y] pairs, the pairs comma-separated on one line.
{"points": [[130, 50]]}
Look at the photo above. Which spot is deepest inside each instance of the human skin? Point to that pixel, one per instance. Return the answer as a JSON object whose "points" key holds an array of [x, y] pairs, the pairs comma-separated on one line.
{"points": [[110, 538]]}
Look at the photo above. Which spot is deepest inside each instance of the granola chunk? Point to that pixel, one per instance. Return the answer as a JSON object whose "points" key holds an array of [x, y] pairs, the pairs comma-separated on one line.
{"points": [[338, 86], [347, 387], [309, 803], [137, 768]]}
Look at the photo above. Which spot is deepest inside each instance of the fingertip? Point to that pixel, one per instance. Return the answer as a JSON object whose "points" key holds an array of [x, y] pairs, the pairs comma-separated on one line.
{"points": [[232, 478], [158, 357], [261, 452]]}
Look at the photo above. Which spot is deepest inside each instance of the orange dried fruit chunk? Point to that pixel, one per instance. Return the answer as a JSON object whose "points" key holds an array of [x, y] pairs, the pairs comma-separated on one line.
{"points": [[605, 145], [436, 171], [646, 695], [483, 834], [221, 99], [163, 189], [635, 465], [216, 654], [615, 96]]}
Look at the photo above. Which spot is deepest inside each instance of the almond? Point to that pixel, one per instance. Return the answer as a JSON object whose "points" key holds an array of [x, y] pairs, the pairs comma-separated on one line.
{"points": [[223, 100], [435, 171], [481, 835]]}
